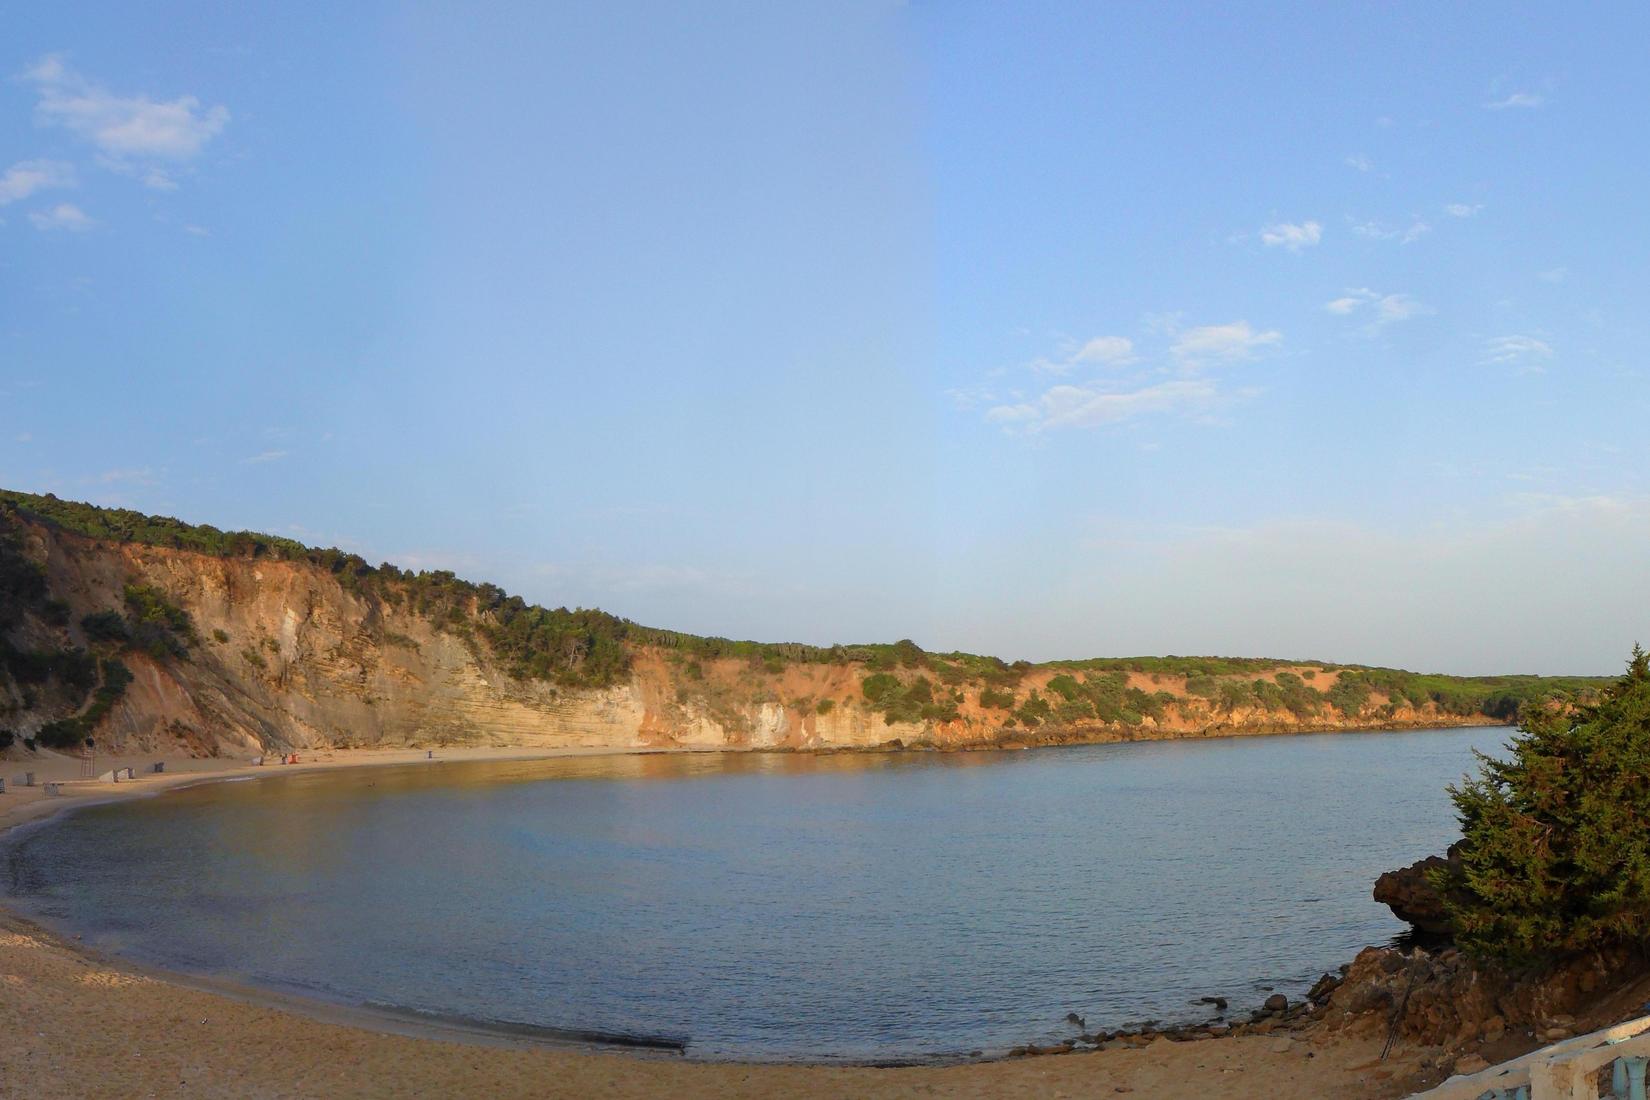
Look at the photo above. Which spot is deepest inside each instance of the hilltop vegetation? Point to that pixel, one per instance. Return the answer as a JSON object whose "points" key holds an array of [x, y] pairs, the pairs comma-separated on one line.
{"points": [[588, 648]]}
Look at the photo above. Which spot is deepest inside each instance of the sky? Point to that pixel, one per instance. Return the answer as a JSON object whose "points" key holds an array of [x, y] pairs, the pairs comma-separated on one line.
{"points": [[1044, 330]]}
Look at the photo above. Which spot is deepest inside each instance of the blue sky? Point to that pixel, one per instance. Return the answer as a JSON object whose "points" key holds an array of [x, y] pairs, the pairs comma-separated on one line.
{"points": [[1041, 330]]}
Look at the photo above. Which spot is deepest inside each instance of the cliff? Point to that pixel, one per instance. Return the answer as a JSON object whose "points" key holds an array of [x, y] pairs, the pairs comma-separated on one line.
{"points": [[166, 648]]}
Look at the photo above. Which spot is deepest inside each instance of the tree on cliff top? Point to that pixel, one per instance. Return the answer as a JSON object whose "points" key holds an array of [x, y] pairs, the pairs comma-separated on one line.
{"points": [[1556, 839]]}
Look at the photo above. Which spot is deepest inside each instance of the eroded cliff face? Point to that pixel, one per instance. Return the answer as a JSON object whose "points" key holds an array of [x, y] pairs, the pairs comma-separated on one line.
{"points": [[287, 658]]}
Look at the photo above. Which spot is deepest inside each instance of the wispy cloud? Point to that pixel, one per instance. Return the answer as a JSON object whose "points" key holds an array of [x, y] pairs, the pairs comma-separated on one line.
{"points": [[1527, 353], [1222, 343], [1290, 236], [1124, 384], [1114, 350], [65, 215], [1094, 405], [1403, 235], [143, 137], [1463, 209], [971, 397], [264, 456], [1360, 162], [1379, 309], [28, 176], [1516, 99]]}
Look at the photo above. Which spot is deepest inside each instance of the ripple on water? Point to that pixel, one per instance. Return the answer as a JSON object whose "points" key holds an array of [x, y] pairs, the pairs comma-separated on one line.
{"points": [[853, 907]]}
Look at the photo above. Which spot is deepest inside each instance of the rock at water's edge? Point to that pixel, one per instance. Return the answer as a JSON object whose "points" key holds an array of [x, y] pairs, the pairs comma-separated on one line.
{"points": [[1411, 896]]}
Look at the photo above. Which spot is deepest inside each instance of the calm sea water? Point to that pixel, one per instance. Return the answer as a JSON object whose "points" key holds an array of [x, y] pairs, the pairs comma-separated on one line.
{"points": [[773, 906]]}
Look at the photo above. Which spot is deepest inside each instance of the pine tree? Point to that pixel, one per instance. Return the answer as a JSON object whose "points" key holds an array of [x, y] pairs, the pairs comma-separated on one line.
{"points": [[1556, 839]]}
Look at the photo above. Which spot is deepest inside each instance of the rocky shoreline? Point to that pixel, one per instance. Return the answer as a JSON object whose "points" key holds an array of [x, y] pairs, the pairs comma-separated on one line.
{"points": [[1278, 1016]]}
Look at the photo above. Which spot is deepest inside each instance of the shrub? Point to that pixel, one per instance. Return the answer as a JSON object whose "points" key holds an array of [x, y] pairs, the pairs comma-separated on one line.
{"points": [[221, 636], [1206, 687], [1034, 711], [1074, 710], [879, 687], [105, 626], [825, 706], [1065, 687], [909, 653], [158, 627], [1349, 694], [7, 739], [901, 703], [999, 700], [61, 734], [1555, 855]]}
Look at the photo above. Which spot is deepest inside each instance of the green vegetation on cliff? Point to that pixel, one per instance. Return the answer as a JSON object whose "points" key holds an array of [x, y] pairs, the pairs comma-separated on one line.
{"points": [[584, 648], [1555, 852], [68, 674]]}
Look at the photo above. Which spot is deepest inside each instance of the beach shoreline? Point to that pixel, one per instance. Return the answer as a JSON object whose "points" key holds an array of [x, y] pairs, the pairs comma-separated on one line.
{"points": [[36, 958]]}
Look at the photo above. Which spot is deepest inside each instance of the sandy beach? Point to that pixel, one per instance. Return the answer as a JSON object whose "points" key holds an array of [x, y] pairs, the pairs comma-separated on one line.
{"points": [[74, 1023]]}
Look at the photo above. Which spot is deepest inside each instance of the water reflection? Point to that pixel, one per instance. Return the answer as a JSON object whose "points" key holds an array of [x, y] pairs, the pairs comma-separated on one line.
{"points": [[774, 905]]}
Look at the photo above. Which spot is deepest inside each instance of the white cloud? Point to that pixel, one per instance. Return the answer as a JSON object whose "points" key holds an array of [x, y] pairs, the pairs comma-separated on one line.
{"points": [[1399, 307], [1011, 414], [1526, 352], [197, 231], [1118, 394], [1115, 350], [265, 456], [1360, 162], [1462, 209], [28, 176], [131, 132], [1095, 405], [1517, 99], [65, 215], [1381, 309], [1229, 342], [1376, 231], [1554, 275], [1292, 237], [971, 397]]}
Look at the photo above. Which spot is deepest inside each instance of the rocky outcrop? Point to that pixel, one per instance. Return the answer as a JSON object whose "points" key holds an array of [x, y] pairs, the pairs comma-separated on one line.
{"points": [[1448, 999], [1412, 896]]}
